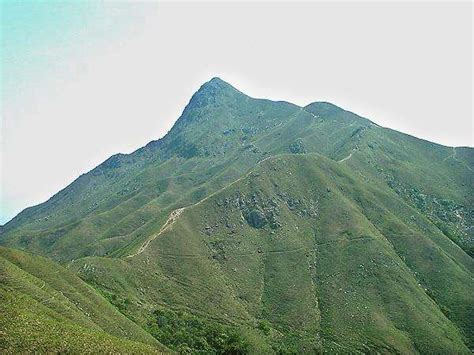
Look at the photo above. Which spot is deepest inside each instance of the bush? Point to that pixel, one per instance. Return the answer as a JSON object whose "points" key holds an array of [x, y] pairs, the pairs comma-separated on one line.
{"points": [[265, 327], [186, 333]]}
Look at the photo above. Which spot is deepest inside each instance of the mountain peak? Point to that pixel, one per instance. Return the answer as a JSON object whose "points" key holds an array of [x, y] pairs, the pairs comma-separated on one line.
{"points": [[216, 79], [216, 84], [323, 108], [212, 92]]}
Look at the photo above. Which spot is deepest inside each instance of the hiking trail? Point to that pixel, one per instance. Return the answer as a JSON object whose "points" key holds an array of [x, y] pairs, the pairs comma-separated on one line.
{"points": [[171, 219]]}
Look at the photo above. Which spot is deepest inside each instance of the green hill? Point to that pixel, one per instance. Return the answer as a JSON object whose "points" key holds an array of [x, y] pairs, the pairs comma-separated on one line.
{"points": [[221, 134], [46, 308], [260, 226], [302, 245]]}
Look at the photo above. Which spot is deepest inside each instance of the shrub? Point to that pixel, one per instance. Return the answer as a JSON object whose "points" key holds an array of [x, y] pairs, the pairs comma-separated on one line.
{"points": [[187, 333]]}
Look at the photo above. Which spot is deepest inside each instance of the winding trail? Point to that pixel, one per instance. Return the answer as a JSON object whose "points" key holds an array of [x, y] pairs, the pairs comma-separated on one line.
{"points": [[171, 219], [176, 213], [453, 156], [269, 252], [349, 156], [232, 183], [346, 158], [312, 114]]}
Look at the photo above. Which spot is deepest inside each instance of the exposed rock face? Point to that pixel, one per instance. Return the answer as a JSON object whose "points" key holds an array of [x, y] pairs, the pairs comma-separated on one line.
{"points": [[297, 147], [256, 218]]}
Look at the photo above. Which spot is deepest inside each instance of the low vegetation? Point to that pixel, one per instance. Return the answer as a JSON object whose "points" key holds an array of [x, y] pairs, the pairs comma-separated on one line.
{"points": [[46, 308], [186, 333], [300, 229]]}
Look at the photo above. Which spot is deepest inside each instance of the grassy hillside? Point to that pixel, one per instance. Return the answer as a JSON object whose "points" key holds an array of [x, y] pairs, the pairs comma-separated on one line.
{"points": [[307, 256], [260, 226], [46, 308], [221, 134]]}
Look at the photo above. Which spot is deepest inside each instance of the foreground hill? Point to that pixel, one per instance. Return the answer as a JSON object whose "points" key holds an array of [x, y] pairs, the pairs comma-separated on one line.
{"points": [[260, 226], [46, 308], [313, 253]]}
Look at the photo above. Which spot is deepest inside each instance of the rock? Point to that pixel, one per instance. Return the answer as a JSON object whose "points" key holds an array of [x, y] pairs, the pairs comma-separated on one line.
{"points": [[256, 218], [297, 147]]}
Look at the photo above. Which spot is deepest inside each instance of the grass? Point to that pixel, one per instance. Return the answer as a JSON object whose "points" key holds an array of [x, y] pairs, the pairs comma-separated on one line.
{"points": [[361, 244], [330, 275], [46, 308]]}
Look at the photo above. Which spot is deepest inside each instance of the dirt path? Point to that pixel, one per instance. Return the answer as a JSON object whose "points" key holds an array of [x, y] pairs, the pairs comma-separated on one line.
{"points": [[453, 156], [312, 114], [358, 239], [52, 298], [346, 158], [171, 219], [269, 252], [176, 213], [349, 156], [232, 183]]}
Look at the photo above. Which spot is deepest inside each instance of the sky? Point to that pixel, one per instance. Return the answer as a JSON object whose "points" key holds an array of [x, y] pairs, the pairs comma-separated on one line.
{"points": [[81, 81]]}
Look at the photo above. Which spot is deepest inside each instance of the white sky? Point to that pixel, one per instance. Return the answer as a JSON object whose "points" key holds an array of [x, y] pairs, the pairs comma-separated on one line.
{"points": [[83, 82]]}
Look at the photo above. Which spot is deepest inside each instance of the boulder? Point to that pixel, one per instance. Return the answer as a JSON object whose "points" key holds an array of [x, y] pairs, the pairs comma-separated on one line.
{"points": [[256, 218]]}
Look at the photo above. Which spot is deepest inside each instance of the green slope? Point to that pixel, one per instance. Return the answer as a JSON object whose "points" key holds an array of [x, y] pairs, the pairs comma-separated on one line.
{"points": [[306, 247], [221, 134], [46, 308], [122, 200], [361, 240]]}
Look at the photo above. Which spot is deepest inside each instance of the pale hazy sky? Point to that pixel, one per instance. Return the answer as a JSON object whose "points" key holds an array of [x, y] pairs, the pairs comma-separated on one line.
{"points": [[82, 81]]}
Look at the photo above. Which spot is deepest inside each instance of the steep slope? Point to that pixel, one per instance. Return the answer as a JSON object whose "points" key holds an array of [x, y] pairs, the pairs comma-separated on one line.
{"points": [[128, 196], [221, 134], [46, 308], [215, 239], [307, 256]]}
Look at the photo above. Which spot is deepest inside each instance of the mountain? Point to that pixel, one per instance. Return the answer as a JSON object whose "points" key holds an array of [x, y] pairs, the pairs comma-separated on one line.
{"points": [[282, 228]]}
